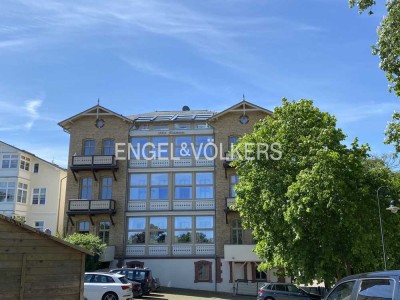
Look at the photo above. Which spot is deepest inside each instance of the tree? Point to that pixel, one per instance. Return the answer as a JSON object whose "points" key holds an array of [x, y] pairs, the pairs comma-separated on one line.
{"points": [[313, 212], [90, 242], [388, 49]]}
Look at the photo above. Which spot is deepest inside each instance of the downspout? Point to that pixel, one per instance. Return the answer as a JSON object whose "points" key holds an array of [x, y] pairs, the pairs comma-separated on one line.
{"points": [[59, 201]]}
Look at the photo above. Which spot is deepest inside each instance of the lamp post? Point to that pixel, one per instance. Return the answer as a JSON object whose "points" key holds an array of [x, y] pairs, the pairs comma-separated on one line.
{"points": [[394, 209]]}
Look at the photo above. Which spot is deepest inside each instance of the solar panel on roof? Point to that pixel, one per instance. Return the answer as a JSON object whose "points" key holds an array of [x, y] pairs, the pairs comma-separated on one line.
{"points": [[184, 117], [164, 118]]}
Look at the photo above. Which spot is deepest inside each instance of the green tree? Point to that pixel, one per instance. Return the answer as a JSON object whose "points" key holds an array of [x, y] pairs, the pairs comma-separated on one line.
{"points": [[388, 49], [313, 212], [90, 242]]}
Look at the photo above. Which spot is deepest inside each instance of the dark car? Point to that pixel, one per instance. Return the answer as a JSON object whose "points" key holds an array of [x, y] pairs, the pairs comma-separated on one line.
{"points": [[377, 285], [144, 276], [284, 291]]}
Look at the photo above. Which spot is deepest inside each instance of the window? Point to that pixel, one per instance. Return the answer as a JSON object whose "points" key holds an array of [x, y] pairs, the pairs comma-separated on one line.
{"points": [[204, 230], [183, 186], [376, 289], [234, 180], [160, 127], [10, 161], [261, 275], [158, 230], [232, 140], [136, 231], [39, 225], [25, 163], [108, 147], [22, 192], [138, 187], [183, 146], [88, 147], [84, 227], [342, 291], [202, 271], [182, 126], [7, 191], [36, 168], [161, 149], [86, 188], [204, 186], [104, 232], [159, 186], [183, 230], [39, 196], [106, 188], [139, 148], [236, 232], [201, 150]]}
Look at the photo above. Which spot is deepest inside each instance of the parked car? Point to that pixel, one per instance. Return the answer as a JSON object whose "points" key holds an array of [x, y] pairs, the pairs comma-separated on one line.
{"points": [[144, 276], [284, 291], [106, 286], [377, 285]]}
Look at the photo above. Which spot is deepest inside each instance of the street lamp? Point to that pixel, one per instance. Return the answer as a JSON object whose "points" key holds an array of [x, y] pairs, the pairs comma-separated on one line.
{"points": [[394, 209]]}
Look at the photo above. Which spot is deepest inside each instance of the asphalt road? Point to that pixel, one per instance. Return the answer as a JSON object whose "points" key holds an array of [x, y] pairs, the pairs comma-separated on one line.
{"points": [[181, 294]]}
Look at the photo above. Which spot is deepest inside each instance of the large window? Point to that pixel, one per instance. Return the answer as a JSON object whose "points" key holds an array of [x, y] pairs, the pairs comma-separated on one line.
{"points": [[138, 187], [201, 149], [183, 186], [86, 188], [203, 271], [10, 161], [83, 227], [234, 180], [22, 192], [183, 230], [108, 147], [136, 231], [236, 232], [204, 229], [140, 149], [25, 163], [104, 231], [159, 186], [183, 146], [39, 196], [106, 188], [158, 230], [204, 185], [161, 149], [89, 147], [7, 191]]}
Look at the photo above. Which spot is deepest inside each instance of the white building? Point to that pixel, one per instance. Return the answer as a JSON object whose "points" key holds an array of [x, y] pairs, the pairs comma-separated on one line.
{"points": [[31, 189]]}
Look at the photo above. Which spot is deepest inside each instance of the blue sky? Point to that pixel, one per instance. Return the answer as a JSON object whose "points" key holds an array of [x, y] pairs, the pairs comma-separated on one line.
{"points": [[58, 57]]}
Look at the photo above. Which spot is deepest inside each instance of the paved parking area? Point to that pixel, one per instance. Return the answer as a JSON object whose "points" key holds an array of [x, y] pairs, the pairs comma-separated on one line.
{"points": [[181, 294]]}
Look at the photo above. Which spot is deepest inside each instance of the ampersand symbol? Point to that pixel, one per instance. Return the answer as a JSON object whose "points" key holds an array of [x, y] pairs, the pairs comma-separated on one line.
{"points": [[184, 150]]}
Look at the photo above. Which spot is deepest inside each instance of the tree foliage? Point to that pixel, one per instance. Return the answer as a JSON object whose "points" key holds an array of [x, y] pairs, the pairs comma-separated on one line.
{"points": [[90, 242], [314, 211], [388, 49]]}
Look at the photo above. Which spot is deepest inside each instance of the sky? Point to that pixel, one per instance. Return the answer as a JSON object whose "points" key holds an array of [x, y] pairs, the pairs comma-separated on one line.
{"points": [[58, 57]]}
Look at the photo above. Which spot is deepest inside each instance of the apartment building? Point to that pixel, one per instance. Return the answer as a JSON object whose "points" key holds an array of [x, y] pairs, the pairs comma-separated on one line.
{"points": [[163, 200], [31, 189]]}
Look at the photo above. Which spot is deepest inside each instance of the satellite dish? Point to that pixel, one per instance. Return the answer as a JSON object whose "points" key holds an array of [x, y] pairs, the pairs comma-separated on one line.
{"points": [[186, 108]]}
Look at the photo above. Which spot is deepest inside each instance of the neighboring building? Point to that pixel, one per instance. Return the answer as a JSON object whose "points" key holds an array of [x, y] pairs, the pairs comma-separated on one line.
{"points": [[169, 212], [31, 189], [35, 265]]}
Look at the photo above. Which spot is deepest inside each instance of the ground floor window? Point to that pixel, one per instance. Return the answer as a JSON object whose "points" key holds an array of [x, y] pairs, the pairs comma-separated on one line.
{"points": [[84, 227], [203, 271], [104, 231]]}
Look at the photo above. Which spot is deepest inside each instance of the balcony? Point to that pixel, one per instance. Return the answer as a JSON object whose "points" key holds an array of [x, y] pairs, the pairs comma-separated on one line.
{"points": [[93, 163], [168, 250], [91, 207], [240, 253]]}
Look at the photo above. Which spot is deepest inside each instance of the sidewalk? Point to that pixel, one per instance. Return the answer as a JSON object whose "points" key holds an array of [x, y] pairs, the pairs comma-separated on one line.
{"points": [[183, 294]]}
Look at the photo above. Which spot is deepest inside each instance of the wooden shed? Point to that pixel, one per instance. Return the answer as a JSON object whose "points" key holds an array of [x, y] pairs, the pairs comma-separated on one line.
{"points": [[35, 265]]}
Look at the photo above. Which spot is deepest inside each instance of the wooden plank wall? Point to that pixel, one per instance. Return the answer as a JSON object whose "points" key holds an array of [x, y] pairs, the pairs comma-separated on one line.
{"points": [[35, 267]]}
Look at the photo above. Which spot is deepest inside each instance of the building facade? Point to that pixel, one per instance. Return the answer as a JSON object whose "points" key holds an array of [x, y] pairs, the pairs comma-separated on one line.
{"points": [[162, 200], [31, 189]]}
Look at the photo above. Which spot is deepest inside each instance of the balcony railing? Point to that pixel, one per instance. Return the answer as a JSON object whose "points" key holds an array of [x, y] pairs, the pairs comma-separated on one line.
{"points": [[81, 206], [94, 163], [228, 160], [230, 203]]}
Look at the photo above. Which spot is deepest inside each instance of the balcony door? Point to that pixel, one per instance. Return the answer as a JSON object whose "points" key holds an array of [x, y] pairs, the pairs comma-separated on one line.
{"points": [[86, 188], [106, 188]]}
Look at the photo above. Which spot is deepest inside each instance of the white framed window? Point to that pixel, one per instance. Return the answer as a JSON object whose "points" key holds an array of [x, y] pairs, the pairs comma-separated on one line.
{"points": [[24, 163], [136, 230], [138, 187], [183, 229], [22, 192], [182, 126], [7, 191], [236, 232], [39, 225], [10, 161], [200, 142], [183, 186], [158, 230], [203, 185], [83, 227], [39, 196], [234, 180], [159, 186], [104, 231], [204, 229], [183, 146]]}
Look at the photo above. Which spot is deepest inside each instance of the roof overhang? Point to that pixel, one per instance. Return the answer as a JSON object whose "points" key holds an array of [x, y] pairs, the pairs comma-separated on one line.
{"points": [[241, 107]]}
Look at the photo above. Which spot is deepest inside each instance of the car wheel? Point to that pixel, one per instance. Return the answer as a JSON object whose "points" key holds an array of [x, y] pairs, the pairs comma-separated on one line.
{"points": [[269, 298], [110, 296]]}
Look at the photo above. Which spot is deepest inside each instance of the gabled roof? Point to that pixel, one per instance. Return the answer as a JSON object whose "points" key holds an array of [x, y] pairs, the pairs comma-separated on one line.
{"points": [[45, 235], [93, 111], [242, 106], [31, 154]]}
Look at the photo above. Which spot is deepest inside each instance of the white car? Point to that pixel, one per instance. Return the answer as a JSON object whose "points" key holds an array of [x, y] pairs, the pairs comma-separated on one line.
{"points": [[106, 286]]}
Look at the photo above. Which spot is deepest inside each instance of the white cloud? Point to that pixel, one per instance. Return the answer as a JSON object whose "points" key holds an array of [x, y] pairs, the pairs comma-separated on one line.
{"points": [[19, 118]]}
